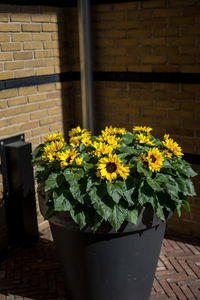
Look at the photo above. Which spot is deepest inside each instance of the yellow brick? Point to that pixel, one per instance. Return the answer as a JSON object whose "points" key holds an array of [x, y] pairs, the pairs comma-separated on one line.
{"points": [[17, 101], [56, 127], [21, 37], [55, 111], [10, 112], [3, 104], [52, 62], [31, 27], [51, 45], [40, 130], [115, 34], [9, 130], [47, 121], [8, 93], [30, 107], [34, 63], [24, 73], [154, 41], [56, 52], [47, 104], [181, 41], [41, 36], [45, 71], [19, 18], [27, 90], [154, 59], [10, 46], [4, 123], [54, 19], [6, 75], [19, 119], [3, 17], [36, 98], [29, 125], [38, 115], [5, 56], [40, 18], [14, 65], [32, 45], [4, 37], [49, 27], [54, 36], [126, 43], [46, 87], [139, 68], [43, 54], [9, 27], [165, 32], [23, 55], [58, 69], [128, 60], [54, 95]]}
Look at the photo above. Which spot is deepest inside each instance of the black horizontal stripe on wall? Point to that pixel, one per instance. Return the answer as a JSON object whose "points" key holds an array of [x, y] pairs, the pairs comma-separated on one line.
{"points": [[62, 3], [58, 3], [163, 77], [188, 78]]}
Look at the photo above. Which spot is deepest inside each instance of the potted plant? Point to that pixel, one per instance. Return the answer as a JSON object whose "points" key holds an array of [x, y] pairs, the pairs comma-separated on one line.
{"points": [[107, 199]]}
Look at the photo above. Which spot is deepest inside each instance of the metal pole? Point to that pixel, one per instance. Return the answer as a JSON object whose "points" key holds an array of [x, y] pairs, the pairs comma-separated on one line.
{"points": [[86, 64]]}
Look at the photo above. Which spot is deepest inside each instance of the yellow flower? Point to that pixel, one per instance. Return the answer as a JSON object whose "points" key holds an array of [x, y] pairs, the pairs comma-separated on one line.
{"points": [[54, 137], [78, 131], [112, 140], [154, 159], [67, 157], [142, 128], [74, 131], [78, 161], [113, 130], [86, 141], [74, 141], [101, 149], [167, 153], [143, 139], [50, 151], [110, 167], [171, 146]]}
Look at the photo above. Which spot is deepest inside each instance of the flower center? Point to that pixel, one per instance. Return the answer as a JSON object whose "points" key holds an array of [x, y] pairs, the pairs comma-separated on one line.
{"points": [[68, 159], [153, 158], [111, 167]]}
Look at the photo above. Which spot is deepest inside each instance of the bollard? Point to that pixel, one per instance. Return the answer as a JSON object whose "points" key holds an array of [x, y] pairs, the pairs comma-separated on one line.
{"points": [[19, 191]]}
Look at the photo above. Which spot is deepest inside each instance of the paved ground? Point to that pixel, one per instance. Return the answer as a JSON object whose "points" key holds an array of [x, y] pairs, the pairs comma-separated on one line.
{"points": [[35, 273]]}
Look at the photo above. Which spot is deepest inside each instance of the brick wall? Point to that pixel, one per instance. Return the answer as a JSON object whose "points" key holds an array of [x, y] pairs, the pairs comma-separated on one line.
{"points": [[147, 36], [33, 42], [139, 36]]}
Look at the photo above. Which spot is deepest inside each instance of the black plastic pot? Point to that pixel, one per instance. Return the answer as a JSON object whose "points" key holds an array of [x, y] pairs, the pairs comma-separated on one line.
{"points": [[108, 265]]}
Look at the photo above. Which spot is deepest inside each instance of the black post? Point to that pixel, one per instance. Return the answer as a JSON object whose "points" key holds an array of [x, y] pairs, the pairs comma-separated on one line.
{"points": [[19, 192]]}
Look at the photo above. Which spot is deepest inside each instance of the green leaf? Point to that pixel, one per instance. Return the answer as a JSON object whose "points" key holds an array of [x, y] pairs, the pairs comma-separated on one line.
{"points": [[127, 138], [51, 182], [154, 184], [71, 175], [129, 189], [37, 153], [115, 190], [186, 205], [78, 216], [146, 195], [132, 216], [186, 186], [129, 150], [142, 170], [117, 216], [104, 209], [61, 200]]}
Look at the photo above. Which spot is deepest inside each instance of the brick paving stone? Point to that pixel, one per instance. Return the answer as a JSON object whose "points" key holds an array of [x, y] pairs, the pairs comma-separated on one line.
{"points": [[36, 274]]}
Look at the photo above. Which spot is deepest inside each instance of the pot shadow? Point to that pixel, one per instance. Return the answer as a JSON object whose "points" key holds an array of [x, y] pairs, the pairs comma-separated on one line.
{"points": [[32, 273]]}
